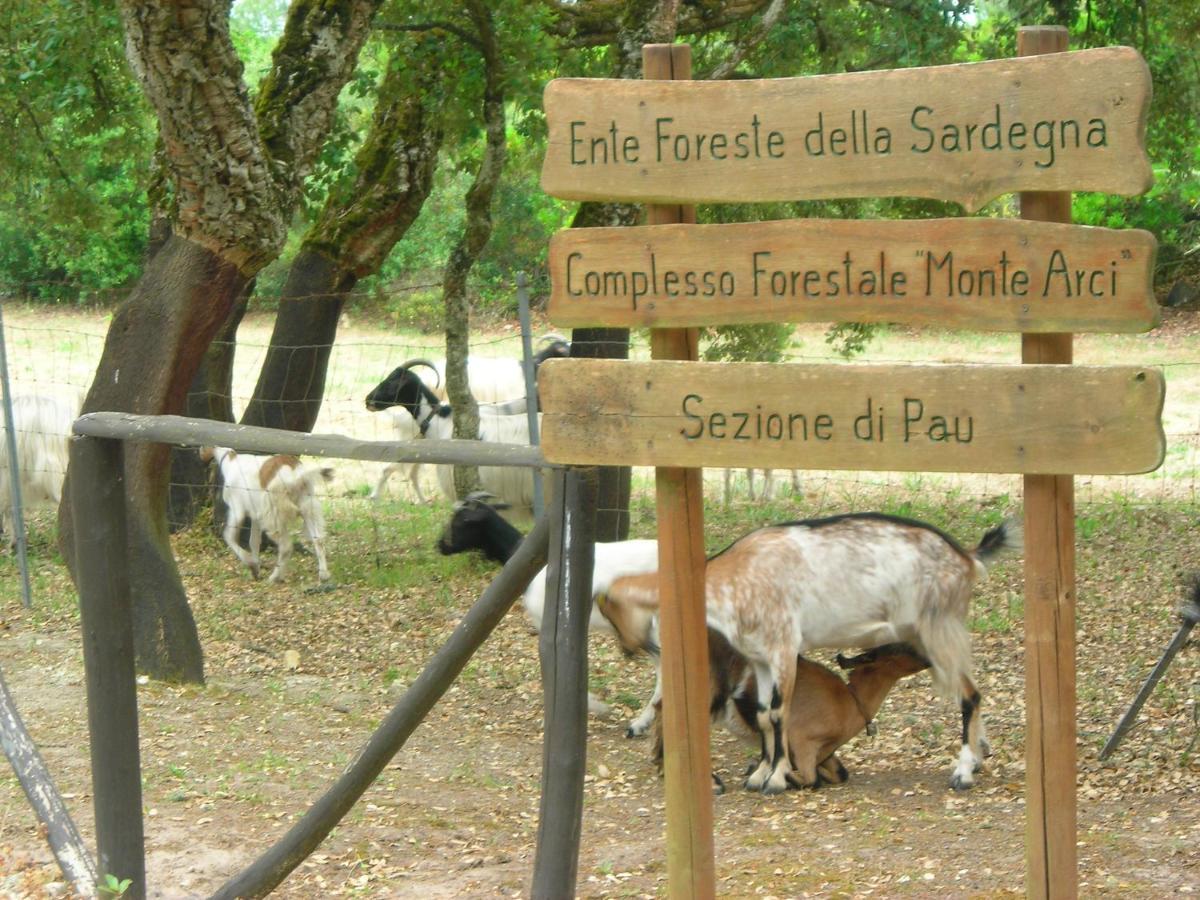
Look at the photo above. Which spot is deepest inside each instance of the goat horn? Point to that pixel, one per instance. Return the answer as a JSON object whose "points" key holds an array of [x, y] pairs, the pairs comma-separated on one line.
{"points": [[421, 361]]}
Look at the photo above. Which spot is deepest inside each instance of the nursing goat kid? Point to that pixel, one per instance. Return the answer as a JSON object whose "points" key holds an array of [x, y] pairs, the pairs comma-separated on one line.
{"points": [[273, 492], [826, 711], [477, 525], [858, 580], [42, 429], [434, 420]]}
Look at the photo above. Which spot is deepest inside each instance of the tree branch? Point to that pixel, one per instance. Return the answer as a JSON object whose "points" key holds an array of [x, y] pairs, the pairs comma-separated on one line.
{"points": [[593, 23], [769, 20], [463, 35]]}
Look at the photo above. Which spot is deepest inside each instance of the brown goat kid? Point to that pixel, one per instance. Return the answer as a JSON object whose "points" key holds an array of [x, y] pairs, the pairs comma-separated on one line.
{"points": [[826, 711]]}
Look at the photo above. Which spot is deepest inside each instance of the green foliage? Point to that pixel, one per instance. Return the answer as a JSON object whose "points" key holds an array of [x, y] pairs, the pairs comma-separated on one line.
{"points": [[419, 309], [766, 342], [850, 339], [112, 886], [73, 214]]}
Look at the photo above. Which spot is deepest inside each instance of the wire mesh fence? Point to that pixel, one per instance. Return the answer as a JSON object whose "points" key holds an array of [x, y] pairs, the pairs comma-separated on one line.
{"points": [[55, 354]]}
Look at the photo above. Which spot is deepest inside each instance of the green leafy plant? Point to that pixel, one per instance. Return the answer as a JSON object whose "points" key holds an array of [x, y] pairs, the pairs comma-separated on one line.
{"points": [[112, 886]]}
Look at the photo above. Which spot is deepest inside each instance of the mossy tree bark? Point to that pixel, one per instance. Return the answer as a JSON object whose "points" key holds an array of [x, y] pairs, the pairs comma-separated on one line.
{"points": [[476, 232], [235, 172], [355, 232]]}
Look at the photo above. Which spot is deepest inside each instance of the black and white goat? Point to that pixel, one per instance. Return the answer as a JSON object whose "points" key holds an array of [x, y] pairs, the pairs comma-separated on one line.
{"points": [[42, 429], [434, 420], [477, 525], [273, 492], [859, 580]]}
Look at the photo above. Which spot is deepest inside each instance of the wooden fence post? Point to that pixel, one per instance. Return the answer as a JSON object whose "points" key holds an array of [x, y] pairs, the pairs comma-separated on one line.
{"points": [[1050, 810], [98, 504], [687, 765], [563, 652]]}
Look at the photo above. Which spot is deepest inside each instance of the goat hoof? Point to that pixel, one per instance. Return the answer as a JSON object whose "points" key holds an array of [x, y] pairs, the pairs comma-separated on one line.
{"points": [[959, 783], [771, 788], [985, 748], [718, 785]]}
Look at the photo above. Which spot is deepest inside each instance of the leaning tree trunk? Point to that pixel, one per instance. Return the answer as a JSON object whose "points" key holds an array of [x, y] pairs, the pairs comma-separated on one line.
{"points": [[476, 232], [353, 236], [185, 292], [236, 171]]}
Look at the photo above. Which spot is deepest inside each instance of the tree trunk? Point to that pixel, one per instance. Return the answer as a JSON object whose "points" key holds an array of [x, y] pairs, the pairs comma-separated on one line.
{"points": [[353, 236], [476, 232], [209, 397], [291, 383], [235, 173], [155, 343]]}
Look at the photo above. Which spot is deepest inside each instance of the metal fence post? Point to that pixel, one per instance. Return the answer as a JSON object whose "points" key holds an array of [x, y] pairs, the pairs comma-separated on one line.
{"points": [[531, 400], [14, 475]]}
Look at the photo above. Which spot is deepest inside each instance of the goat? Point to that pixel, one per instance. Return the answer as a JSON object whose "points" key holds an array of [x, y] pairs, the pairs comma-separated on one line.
{"points": [[768, 482], [434, 420], [826, 711], [491, 379], [857, 580], [42, 429], [477, 525], [404, 428], [272, 491]]}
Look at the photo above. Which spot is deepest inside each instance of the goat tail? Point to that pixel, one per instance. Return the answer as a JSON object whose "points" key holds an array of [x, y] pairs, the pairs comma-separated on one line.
{"points": [[307, 479], [946, 643], [1005, 539]]}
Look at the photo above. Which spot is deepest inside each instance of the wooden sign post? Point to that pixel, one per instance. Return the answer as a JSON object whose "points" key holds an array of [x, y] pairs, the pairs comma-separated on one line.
{"points": [[1043, 124], [687, 763], [1050, 802]]}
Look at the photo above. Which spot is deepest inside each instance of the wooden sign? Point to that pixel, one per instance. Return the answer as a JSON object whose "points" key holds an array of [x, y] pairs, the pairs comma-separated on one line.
{"points": [[1097, 420], [970, 132], [982, 274]]}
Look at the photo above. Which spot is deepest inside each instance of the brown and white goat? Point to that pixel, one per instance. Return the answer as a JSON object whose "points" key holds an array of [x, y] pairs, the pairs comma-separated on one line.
{"points": [[826, 711], [272, 491], [859, 580]]}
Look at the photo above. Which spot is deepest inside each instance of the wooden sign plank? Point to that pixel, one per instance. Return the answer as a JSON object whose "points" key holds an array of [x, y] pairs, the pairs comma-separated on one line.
{"points": [[983, 274], [969, 132], [934, 418]]}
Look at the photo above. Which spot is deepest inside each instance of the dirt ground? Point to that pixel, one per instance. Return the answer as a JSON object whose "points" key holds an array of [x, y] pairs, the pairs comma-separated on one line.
{"points": [[229, 767]]}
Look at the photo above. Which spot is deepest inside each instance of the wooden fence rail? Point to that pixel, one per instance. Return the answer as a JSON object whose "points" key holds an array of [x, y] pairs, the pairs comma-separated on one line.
{"points": [[97, 457]]}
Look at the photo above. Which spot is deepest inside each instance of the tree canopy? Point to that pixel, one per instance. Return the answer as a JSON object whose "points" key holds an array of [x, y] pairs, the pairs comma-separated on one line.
{"points": [[75, 196]]}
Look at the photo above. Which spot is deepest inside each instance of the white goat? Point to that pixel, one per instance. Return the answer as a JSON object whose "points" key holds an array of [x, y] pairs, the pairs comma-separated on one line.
{"points": [[858, 580], [405, 428], [613, 560], [273, 491], [42, 428], [403, 388]]}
